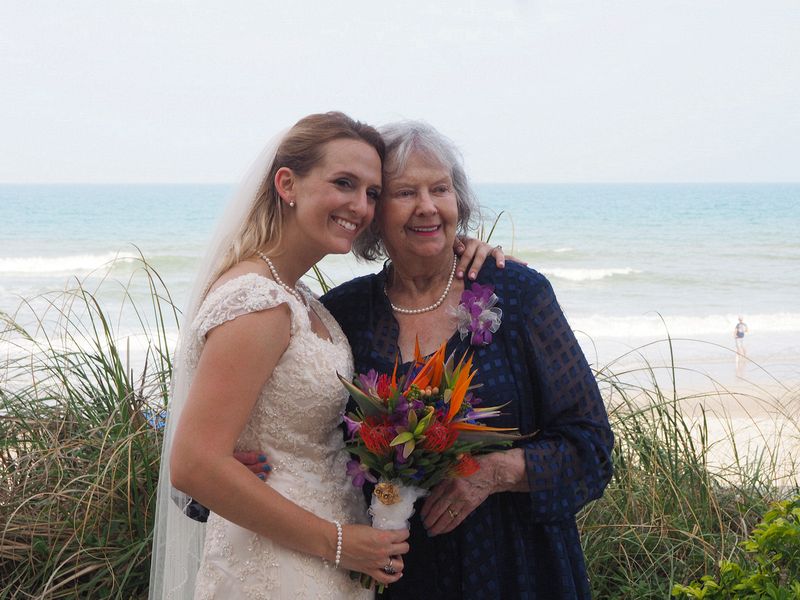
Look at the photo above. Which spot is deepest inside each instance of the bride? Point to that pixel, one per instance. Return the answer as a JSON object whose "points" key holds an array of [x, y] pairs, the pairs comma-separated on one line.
{"points": [[256, 368]]}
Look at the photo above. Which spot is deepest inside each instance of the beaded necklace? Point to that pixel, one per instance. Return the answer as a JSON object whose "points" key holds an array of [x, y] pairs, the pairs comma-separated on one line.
{"points": [[300, 298], [435, 305]]}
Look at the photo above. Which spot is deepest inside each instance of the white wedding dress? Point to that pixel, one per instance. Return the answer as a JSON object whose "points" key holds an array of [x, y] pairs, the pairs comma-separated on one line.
{"points": [[295, 421]]}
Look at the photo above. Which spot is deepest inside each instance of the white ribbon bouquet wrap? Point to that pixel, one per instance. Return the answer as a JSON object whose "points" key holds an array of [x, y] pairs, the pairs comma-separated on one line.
{"points": [[393, 504]]}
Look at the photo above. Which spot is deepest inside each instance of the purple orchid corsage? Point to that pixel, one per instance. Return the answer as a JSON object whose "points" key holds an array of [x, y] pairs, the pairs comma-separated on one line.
{"points": [[477, 314]]}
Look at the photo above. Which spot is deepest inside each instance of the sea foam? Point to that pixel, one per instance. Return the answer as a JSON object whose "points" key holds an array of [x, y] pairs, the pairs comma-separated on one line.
{"points": [[75, 263], [652, 326], [586, 274]]}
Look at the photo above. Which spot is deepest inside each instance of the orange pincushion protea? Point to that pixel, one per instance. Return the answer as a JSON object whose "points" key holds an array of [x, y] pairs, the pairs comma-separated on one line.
{"points": [[439, 437], [384, 389], [466, 466], [376, 435]]}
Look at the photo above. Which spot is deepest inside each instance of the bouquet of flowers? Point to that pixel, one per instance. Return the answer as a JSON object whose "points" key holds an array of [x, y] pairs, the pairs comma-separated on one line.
{"points": [[408, 435]]}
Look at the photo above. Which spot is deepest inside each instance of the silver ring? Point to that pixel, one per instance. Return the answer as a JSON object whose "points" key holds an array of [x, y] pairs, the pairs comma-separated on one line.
{"points": [[498, 247], [389, 569]]}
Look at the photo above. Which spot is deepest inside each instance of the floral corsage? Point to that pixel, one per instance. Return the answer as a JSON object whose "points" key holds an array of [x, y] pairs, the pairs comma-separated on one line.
{"points": [[477, 314]]}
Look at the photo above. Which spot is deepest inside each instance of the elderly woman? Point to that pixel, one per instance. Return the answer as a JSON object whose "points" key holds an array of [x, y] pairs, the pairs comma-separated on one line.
{"points": [[509, 530]]}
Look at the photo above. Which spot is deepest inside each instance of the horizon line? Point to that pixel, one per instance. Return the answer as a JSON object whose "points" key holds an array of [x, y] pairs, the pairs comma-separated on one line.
{"points": [[485, 182]]}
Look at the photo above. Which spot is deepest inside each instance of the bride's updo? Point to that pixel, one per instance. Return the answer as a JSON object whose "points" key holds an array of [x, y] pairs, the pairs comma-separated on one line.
{"points": [[300, 149]]}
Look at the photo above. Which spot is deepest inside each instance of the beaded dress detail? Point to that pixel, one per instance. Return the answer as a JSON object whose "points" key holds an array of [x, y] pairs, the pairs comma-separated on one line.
{"points": [[295, 421]]}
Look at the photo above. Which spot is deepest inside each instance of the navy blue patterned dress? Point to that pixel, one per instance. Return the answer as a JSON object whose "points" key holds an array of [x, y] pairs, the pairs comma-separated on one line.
{"points": [[514, 545]]}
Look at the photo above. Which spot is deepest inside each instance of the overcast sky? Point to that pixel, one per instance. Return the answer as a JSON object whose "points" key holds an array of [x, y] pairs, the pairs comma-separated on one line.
{"points": [[547, 91]]}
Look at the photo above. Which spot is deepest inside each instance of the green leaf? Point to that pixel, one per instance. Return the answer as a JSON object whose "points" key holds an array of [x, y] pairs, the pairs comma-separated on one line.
{"points": [[408, 448], [447, 395], [424, 422], [371, 406], [402, 438]]}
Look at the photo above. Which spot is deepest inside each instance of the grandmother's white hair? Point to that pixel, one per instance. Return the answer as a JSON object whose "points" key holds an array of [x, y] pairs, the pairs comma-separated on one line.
{"points": [[403, 139]]}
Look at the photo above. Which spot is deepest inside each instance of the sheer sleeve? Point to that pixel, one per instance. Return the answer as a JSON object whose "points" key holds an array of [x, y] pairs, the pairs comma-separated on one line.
{"points": [[568, 462]]}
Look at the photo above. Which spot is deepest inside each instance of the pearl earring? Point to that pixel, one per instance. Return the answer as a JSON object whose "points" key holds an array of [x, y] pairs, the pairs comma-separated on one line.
{"points": [[291, 204]]}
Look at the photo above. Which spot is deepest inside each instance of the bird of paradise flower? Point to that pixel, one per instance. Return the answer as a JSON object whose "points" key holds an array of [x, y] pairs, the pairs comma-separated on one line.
{"points": [[422, 428]]}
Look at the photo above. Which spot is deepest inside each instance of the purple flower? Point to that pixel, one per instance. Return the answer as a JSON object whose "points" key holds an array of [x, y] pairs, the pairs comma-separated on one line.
{"points": [[399, 418], [476, 314], [359, 473], [352, 426], [472, 399], [478, 294], [369, 382], [398, 456], [401, 405], [481, 337]]}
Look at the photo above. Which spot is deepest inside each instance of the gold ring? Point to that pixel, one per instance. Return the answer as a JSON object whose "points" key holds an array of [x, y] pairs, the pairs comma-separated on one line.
{"points": [[453, 514]]}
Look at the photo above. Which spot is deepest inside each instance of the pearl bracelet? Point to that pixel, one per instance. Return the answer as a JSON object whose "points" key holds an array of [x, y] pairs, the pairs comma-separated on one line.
{"points": [[338, 544]]}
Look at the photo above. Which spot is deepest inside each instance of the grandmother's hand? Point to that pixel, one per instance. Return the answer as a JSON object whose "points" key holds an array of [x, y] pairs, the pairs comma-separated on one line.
{"points": [[473, 253], [454, 499]]}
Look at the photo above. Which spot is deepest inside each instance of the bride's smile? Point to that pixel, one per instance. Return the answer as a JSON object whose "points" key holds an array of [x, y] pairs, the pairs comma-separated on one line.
{"points": [[333, 202]]}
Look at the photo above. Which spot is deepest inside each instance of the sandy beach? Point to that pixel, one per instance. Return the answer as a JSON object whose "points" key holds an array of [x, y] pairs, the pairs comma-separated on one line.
{"points": [[747, 429]]}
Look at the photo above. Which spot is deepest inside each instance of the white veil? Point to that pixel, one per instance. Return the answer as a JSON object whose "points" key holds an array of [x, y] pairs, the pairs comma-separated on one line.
{"points": [[177, 539]]}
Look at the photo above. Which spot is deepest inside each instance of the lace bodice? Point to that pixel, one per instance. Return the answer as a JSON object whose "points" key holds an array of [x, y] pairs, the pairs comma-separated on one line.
{"points": [[295, 421], [297, 415]]}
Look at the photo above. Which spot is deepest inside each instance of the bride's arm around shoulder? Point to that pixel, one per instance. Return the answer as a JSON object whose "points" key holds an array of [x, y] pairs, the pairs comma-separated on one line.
{"points": [[237, 359]]}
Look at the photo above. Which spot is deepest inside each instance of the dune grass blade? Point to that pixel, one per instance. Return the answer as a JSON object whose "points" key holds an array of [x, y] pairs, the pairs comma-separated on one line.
{"points": [[78, 456]]}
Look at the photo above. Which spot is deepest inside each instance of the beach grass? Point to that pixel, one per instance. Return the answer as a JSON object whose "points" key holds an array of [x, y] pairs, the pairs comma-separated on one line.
{"points": [[688, 485], [80, 446], [78, 457]]}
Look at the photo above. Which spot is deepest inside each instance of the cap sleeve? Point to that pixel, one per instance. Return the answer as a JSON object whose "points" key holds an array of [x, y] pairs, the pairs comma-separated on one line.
{"points": [[240, 296]]}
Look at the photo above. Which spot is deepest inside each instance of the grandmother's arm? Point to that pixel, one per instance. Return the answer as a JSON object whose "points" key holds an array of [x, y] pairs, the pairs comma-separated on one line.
{"points": [[568, 463]]}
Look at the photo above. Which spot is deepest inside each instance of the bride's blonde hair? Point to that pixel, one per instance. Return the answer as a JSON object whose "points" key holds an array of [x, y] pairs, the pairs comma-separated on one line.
{"points": [[300, 150]]}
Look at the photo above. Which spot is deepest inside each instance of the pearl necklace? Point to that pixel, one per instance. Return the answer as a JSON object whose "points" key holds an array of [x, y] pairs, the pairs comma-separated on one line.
{"points": [[435, 305], [301, 299]]}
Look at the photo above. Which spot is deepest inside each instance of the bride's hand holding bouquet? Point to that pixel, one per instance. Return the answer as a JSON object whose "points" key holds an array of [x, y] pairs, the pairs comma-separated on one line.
{"points": [[369, 552]]}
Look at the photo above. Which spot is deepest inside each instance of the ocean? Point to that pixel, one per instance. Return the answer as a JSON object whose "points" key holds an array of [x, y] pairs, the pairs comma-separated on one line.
{"points": [[633, 265]]}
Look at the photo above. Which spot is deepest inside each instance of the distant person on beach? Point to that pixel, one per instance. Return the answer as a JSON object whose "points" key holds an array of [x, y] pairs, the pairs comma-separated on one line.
{"points": [[739, 332]]}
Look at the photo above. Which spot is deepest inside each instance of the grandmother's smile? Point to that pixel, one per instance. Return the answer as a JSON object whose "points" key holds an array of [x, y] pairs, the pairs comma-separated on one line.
{"points": [[425, 231]]}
